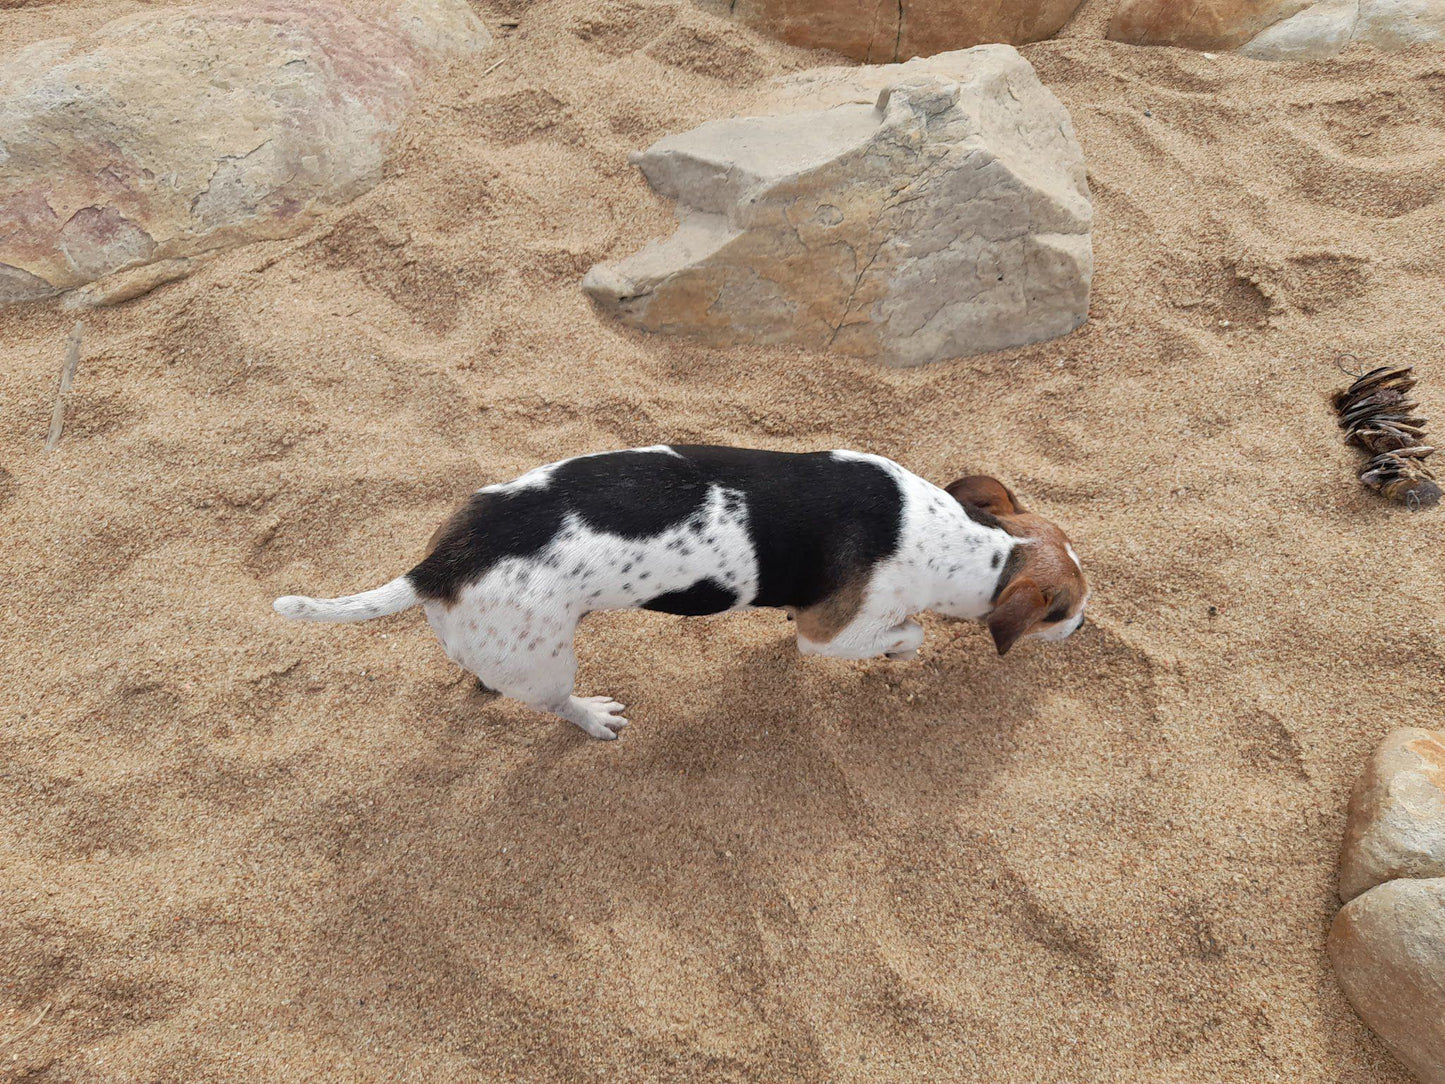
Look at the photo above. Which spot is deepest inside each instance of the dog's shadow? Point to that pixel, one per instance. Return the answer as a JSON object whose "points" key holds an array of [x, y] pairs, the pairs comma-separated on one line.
{"points": [[534, 893]]}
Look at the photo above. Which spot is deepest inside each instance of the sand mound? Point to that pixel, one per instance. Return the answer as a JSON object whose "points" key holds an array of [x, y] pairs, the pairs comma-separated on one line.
{"points": [[239, 849]]}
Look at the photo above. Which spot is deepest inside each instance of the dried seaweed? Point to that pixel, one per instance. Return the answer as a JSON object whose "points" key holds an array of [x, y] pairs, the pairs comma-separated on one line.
{"points": [[1378, 416]]}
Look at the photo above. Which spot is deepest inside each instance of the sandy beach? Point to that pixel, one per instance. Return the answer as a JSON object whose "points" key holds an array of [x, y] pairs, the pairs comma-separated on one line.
{"points": [[238, 849]]}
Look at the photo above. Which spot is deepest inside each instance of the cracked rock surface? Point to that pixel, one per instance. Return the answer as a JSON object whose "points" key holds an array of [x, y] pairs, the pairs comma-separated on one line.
{"points": [[164, 135], [1279, 29], [911, 212]]}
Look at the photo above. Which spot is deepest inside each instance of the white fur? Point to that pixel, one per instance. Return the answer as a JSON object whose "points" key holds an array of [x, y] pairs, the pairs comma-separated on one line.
{"points": [[389, 598]]}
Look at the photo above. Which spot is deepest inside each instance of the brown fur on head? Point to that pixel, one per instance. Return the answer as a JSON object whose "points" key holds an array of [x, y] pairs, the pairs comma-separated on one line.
{"points": [[1041, 590]]}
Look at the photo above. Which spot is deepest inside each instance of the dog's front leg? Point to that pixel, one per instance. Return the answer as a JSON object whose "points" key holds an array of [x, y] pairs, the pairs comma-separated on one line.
{"points": [[866, 639], [907, 638]]}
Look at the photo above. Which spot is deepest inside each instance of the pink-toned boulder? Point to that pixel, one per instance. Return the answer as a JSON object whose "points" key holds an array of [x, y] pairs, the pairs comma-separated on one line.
{"points": [[166, 134], [884, 31]]}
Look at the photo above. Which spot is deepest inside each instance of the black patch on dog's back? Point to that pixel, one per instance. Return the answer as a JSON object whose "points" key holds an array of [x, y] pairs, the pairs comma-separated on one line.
{"points": [[815, 520], [631, 494], [704, 597]]}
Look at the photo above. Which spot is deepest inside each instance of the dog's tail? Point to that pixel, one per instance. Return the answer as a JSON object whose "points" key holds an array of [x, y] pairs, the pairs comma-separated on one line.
{"points": [[389, 598]]}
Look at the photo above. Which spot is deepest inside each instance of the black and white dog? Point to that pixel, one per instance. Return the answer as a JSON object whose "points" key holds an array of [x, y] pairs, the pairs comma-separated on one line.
{"points": [[850, 544]]}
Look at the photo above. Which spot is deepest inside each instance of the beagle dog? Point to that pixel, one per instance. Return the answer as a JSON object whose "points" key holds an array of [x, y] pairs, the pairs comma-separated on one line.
{"points": [[849, 544]]}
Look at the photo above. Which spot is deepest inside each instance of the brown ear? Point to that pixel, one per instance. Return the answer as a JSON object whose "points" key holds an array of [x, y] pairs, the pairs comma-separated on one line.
{"points": [[1018, 609], [984, 493]]}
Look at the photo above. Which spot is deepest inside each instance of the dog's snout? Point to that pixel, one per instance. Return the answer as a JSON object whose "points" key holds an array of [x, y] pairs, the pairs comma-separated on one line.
{"points": [[1064, 631]]}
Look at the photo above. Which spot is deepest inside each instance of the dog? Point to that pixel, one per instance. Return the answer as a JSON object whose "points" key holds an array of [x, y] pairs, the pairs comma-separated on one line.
{"points": [[850, 544]]}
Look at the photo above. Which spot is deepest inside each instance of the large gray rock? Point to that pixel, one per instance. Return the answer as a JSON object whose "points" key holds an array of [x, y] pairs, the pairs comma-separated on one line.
{"points": [[910, 212], [164, 135], [1388, 949], [1396, 825]]}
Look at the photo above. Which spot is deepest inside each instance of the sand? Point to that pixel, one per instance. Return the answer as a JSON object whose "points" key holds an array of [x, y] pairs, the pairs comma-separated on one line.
{"points": [[238, 849]]}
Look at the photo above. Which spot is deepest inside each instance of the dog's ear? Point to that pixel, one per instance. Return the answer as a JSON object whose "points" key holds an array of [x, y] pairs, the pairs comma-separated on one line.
{"points": [[985, 494], [1018, 609]]}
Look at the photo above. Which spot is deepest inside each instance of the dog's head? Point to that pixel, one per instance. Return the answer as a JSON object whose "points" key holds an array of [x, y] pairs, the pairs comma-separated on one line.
{"points": [[1041, 589]]}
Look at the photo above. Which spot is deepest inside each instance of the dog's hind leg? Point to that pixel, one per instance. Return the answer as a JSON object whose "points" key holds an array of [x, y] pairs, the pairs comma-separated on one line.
{"points": [[599, 716], [541, 675], [547, 686], [525, 652]]}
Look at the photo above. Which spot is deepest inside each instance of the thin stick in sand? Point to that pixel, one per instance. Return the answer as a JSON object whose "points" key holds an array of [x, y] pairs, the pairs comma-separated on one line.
{"points": [[27, 1030], [67, 376]]}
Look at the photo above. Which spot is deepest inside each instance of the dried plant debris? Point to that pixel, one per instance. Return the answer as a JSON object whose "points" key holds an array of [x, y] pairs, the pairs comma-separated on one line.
{"points": [[1378, 415]]}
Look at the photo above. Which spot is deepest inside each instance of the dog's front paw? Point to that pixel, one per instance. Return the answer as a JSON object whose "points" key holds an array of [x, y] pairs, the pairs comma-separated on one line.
{"points": [[600, 716]]}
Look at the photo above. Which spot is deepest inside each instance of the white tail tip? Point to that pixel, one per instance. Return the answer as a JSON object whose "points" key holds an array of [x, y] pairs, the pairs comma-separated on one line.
{"points": [[389, 598]]}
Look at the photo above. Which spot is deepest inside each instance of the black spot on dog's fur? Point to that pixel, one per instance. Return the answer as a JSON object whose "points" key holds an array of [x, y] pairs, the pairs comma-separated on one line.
{"points": [[619, 493], [704, 597]]}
